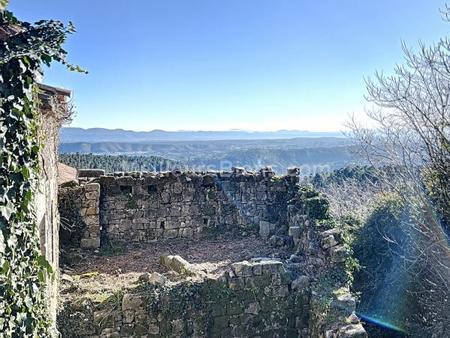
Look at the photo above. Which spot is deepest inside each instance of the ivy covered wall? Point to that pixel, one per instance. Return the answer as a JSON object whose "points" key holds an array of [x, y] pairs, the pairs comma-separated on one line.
{"points": [[24, 270]]}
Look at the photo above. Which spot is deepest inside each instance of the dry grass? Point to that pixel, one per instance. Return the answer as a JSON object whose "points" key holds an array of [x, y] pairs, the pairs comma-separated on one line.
{"points": [[104, 275]]}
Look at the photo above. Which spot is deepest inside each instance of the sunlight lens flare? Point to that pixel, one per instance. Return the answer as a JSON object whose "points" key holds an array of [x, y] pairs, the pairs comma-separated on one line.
{"points": [[381, 323]]}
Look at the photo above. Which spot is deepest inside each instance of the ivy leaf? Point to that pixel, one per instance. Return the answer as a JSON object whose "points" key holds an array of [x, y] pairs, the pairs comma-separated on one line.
{"points": [[23, 310], [5, 268], [43, 262], [47, 59], [41, 276], [3, 4], [25, 173]]}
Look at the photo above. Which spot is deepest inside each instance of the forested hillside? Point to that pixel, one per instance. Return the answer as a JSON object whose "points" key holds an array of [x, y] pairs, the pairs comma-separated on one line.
{"points": [[112, 163], [326, 152]]}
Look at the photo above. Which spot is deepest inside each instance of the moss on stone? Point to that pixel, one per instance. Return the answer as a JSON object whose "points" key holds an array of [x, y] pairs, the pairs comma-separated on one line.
{"points": [[317, 208]]}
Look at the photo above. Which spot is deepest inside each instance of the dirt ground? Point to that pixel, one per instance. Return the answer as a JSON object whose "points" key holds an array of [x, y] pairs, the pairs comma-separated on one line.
{"points": [[101, 274], [210, 254]]}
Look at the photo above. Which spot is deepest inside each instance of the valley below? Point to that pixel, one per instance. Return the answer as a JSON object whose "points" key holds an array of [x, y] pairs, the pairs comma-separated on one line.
{"points": [[311, 154]]}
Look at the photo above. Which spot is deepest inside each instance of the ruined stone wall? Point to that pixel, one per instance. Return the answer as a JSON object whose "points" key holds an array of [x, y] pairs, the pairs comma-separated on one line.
{"points": [[47, 208], [143, 207], [80, 219], [251, 299], [306, 295], [260, 298], [46, 197]]}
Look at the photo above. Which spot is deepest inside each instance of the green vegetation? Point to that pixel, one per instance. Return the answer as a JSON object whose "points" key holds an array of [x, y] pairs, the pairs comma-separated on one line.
{"points": [[23, 270], [222, 155], [437, 186], [361, 174], [112, 163], [112, 249], [71, 223], [383, 282], [398, 258], [404, 241]]}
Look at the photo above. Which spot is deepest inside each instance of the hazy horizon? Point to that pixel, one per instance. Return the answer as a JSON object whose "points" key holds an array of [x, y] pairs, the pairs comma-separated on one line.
{"points": [[209, 65], [212, 130]]}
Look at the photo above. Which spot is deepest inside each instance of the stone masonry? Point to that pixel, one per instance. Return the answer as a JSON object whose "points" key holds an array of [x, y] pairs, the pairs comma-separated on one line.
{"points": [[306, 295], [144, 207], [79, 209], [257, 298], [53, 113], [250, 299]]}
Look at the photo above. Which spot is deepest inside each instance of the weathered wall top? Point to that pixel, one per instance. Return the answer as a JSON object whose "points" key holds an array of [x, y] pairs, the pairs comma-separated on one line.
{"points": [[143, 206], [266, 172]]}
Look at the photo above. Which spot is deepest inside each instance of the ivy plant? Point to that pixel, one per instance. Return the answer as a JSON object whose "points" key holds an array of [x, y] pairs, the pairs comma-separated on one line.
{"points": [[24, 47]]}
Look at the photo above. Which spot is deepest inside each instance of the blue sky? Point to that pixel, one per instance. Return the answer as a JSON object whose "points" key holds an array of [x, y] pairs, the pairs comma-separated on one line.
{"points": [[225, 64]]}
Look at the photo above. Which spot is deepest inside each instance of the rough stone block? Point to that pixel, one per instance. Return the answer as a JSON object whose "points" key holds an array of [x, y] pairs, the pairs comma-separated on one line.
{"points": [[165, 197], [300, 283], [90, 243], [92, 195], [92, 211], [352, 331], [177, 327], [295, 231], [131, 302], [267, 172], [293, 171], [337, 233], [153, 278], [338, 253], [266, 229], [242, 269], [329, 242], [153, 328], [277, 241], [91, 220], [238, 170], [257, 269], [187, 232], [92, 187], [171, 233], [128, 316], [90, 172], [343, 304], [177, 264], [109, 333]]}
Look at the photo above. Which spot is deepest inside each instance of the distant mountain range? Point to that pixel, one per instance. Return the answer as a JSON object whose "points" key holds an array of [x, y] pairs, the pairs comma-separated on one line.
{"points": [[203, 150], [332, 152], [92, 135]]}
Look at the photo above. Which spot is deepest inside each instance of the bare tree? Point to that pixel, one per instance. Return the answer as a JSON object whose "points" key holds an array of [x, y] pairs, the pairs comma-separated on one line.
{"points": [[351, 198], [410, 134]]}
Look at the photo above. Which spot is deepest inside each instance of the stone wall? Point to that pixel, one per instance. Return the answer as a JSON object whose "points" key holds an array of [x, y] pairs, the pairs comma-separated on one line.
{"points": [[250, 299], [306, 295], [143, 207], [52, 114], [260, 298], [79, 209]]}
